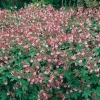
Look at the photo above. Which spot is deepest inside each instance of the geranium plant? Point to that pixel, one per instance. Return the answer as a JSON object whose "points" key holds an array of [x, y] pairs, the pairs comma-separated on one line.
{"points": [[48, 54]]}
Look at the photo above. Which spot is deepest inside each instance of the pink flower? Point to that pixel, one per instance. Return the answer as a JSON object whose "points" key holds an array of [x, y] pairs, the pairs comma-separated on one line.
{"points": [[91, 71], [96, 69], [19, 77], [83, 53], [70, 39], [80, 61], [88, 85], [31, 60], [73, 57], [5, 82]]}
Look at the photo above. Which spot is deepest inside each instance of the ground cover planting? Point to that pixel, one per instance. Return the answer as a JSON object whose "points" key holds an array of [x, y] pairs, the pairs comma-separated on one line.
{"points": [[48, 54]]}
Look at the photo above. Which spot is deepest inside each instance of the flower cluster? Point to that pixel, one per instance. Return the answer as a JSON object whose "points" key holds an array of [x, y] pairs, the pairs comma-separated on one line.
{"points": [[56, 50]]}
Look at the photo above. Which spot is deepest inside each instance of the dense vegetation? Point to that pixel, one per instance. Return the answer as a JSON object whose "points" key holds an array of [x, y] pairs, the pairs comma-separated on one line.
{"points": [[48, 54], [9, 4], [13, 4]]}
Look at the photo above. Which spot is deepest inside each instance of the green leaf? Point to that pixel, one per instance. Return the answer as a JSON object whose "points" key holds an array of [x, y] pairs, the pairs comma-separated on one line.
{"points": [[68, 96], [67, 75], [54, 98], [75, 95], [79, 47], [65, 46], [24, 84], [86, 78], [24, 87], [97, 91], [32, 54], [3, 95], [83, 72], [9, 12], [2, 69], [69, 52], [1, 52], [86, 93], [97, 50], [94, 79], [0, 23], [18, 93], [11, 43]]}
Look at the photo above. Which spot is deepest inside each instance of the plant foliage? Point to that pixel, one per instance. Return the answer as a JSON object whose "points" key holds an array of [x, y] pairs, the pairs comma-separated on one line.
{"points": [[13, 4], [92, 3], [48, 54]]}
